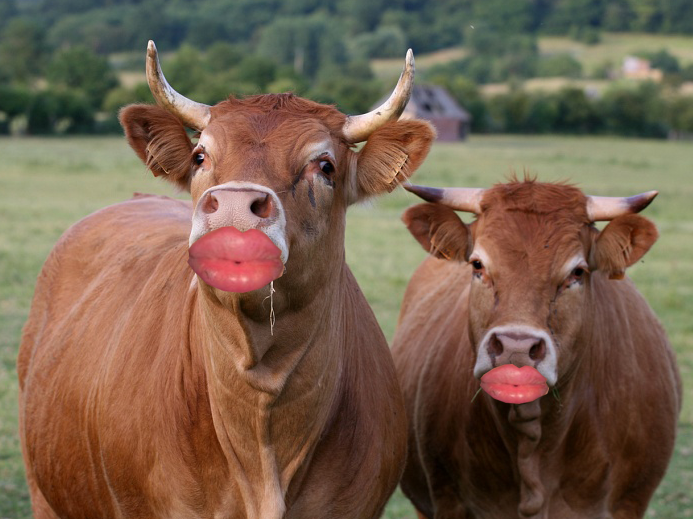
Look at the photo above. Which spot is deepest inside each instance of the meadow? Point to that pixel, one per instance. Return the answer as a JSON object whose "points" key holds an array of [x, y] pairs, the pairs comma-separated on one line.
{"points": [[47, 184]]}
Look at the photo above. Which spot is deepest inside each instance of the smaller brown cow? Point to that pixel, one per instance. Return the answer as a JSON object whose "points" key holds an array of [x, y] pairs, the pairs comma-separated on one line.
{"points": [[533, 283], [149, 391]]}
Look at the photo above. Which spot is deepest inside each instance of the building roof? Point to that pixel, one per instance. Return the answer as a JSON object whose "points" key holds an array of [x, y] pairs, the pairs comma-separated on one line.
{"points": [[431, 102]]}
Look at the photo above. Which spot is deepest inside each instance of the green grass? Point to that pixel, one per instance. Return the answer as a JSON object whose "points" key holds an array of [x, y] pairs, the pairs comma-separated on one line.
{"points": [[47, 184]]}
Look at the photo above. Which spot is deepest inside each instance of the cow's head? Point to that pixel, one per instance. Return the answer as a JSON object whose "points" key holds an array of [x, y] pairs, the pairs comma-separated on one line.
{"points": [[278, 164], [532, 253]]}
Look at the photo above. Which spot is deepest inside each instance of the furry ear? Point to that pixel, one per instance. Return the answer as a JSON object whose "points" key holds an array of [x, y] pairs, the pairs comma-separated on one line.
{"points": [[160, 141], [439, 231], [391, 155], [623, 241]]}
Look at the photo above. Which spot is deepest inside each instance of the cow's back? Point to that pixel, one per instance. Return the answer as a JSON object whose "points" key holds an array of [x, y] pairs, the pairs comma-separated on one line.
{"points": [[85, 389]]}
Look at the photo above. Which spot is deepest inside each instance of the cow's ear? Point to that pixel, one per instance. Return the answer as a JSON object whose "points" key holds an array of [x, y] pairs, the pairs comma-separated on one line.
{"points": [[439, 231], [623, 241], [391, 155], [160, 141]]}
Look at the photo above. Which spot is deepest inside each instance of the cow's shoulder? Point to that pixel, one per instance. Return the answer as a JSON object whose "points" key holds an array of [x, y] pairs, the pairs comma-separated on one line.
{"points": [[106, 261]]}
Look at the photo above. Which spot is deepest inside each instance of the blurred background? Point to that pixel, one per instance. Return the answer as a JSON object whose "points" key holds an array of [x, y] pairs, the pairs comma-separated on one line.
{"points": [[620, 67], [599, 92]]}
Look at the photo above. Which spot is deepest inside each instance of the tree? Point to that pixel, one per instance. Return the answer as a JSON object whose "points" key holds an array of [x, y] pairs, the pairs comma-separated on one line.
{"points": [[8, 9], [80, 69], [634, 111], [301, 43], [22, 49], [385, 42]]}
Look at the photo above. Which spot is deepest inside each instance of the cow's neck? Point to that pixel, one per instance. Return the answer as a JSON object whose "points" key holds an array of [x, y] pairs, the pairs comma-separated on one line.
{"points": [[271, 389], [525, 419]]}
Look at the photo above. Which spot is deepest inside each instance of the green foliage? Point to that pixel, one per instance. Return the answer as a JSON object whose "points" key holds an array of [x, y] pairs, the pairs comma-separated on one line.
{"points": [[664, 61], [256, 70], [121, 96], [8, 9], [300, 42], [79, 69], [59, 112], [351, 95], [222, 56], [575, 112], [386, 42], [22, 49], [115, 28], [681, 115], [634, 111], [559, 65]]}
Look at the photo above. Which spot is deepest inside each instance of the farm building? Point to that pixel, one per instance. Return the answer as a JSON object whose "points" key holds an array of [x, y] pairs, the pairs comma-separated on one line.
{"points": [[436, 105]]}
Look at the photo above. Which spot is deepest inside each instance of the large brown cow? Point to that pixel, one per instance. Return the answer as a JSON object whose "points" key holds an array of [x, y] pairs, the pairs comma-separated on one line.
{"points": [[147, 392], [533, 283]]}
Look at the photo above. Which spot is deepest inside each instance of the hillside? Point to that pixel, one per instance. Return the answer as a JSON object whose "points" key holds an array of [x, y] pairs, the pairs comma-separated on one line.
{"points": [[66, 66]]}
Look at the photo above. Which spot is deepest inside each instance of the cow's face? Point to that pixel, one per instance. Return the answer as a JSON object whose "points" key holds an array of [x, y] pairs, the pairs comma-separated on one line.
{"points": [[531, 253], [279, 164]]}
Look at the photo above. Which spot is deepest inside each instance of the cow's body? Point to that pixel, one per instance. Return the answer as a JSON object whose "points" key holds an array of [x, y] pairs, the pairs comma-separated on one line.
{"points": [[147, 392], [594, 447], [128, 424]]}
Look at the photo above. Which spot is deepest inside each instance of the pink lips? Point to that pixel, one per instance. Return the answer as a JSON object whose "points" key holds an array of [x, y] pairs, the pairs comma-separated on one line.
{"points": [[236, 261], [514, 385]]}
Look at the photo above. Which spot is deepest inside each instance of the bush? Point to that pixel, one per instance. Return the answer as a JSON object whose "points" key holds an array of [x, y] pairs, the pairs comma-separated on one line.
{"points": [[664, 61], [681, 114], [54, 111], [634, 111], [80, 69], [560, 65], [385, 42]]}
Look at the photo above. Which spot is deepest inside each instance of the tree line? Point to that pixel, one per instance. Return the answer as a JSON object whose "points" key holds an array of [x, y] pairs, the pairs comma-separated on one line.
{"points": [[60, 60]]}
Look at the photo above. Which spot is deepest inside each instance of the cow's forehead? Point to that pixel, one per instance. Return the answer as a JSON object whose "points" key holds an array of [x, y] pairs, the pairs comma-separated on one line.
{"points": [[525, 223], [281, 136]]}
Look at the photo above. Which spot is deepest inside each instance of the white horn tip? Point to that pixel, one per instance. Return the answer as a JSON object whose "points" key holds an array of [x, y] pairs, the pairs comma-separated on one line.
{"points": [[410, 58], [151, 47]]}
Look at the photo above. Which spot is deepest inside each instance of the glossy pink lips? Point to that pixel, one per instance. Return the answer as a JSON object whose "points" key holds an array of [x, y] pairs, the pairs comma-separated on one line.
{"points": [[514, 385], [236, 261]]}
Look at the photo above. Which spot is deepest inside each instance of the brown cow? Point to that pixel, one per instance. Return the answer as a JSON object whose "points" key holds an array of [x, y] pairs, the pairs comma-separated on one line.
{"points": [[146, 392], [533, 283]]}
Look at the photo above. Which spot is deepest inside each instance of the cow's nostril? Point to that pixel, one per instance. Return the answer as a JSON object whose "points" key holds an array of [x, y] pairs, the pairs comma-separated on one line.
{"points": [[262, 207], [538, 350], [211, 204], [495, 346]]}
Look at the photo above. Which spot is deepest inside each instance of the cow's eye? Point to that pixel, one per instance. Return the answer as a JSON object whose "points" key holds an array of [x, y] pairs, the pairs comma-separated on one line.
{"points": [[326, 167], [199, 158], [477, 265], [577, 276]]}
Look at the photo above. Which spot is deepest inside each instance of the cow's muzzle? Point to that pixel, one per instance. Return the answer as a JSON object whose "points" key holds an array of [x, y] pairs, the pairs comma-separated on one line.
{"points": [[245, 206], [518, 345]]}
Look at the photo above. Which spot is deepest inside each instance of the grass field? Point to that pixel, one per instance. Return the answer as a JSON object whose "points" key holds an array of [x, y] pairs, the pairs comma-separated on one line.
{"points": [[47, 184]]}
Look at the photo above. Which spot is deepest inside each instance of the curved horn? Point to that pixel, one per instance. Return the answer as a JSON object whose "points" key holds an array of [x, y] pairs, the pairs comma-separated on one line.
{"points": [[192, 114], [357, 128], [466, 199], [604, 208]]}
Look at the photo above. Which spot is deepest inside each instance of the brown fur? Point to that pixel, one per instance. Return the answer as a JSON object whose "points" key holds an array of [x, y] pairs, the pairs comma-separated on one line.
{"points": [[400, 153], [145, 392], [599, 448]]}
